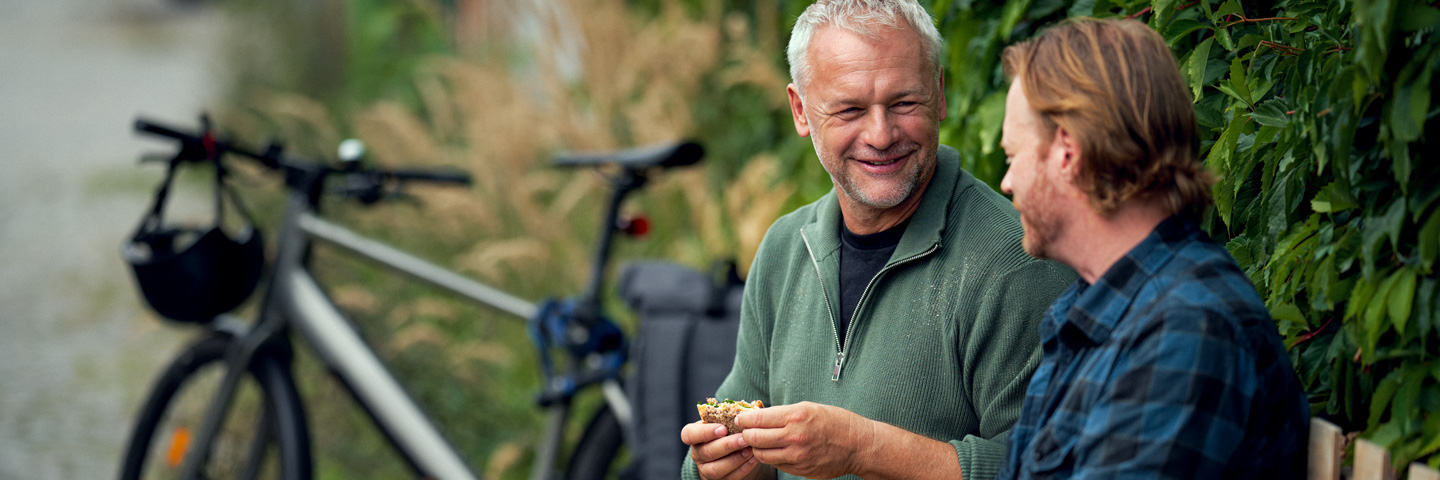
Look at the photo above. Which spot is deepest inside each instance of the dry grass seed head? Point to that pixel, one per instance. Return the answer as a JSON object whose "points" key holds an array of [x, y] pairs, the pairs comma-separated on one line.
{"points": [[305, 122], [394, 136]]}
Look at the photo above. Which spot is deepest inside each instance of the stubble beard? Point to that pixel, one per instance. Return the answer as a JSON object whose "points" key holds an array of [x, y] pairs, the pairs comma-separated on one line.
{"points": [[892, 194], [1038, 218]]}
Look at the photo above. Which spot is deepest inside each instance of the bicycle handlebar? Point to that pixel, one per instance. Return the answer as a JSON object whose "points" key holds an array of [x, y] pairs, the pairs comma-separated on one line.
{"points": [[206, 146]]}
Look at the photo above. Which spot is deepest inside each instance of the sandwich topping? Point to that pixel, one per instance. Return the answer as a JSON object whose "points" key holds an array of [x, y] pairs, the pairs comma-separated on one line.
{"points": [[724, 412]]}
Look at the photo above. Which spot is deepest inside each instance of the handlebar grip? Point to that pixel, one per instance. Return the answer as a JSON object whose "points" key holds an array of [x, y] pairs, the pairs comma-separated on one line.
{"points": [[154, 128]]}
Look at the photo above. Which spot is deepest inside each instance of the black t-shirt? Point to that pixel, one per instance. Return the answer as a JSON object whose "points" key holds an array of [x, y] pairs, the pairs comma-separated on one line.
{"points": [[861, 257]]}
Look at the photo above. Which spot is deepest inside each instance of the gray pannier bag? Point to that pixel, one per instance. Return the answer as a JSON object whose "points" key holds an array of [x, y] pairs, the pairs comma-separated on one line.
{"points": [[685, 348]]}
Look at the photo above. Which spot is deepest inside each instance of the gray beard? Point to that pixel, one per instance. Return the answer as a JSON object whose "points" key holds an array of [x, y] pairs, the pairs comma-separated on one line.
{"points": [[846, 184]]}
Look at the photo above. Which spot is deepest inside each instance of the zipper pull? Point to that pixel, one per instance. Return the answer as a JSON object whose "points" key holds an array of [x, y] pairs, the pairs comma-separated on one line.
{"points": [[835, 374]]}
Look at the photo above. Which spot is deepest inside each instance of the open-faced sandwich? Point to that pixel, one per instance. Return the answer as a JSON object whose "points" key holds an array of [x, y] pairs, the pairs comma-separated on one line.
{"points": [[724, 412]]}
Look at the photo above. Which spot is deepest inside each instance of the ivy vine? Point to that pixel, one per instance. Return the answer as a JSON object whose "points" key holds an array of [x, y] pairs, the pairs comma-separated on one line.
{"points": [[1316, 115]]}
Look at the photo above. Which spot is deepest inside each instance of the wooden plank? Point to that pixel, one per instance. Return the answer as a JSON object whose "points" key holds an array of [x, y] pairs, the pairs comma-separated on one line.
{"points": [[1327, 449], [1419, 471], [1372, 462]]}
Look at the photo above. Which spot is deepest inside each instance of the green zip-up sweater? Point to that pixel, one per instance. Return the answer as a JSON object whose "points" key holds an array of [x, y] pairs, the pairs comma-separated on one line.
{"points": [[943, 341]]}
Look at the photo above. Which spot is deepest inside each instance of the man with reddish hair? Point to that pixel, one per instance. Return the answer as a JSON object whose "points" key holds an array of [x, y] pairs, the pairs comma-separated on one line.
{"points": [[1161, 361]]}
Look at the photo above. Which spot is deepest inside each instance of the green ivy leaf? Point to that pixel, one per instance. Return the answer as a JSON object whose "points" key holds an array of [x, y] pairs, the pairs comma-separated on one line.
{"points": [[1081, 8], [1428, 242], [1378, 228], [1272, 113], [1230, 7], [1407, 398], [1418, 16], [1247, 42], [1014, 11], [1208, 11], [1381, 401], [1199, 59], [1333, 198], [1239, 248], [1387, 434], [1239, 82], [1290, 313], [1402, 297], [1164, 10], [1222, 35], [1411, 103], [1329, 289], [1421, 197], [1375, 312], [1425, 316], [1207, 113], [991, 114], [1219, 160], [1182, 27], [1431, 430]]}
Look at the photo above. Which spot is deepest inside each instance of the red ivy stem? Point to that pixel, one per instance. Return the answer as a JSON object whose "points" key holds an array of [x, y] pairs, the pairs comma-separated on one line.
{"points": [[1254, 20], [1137, 14], [1284, 49], [1306, 337], [1188, 5]]}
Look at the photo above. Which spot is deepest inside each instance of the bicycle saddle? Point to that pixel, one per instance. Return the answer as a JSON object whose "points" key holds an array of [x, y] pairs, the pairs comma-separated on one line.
{"points": [[665, 155]]}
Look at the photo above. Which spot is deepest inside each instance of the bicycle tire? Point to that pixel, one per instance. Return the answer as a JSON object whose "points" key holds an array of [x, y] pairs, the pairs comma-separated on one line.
{"points": [[598, 449], [265, 400]]}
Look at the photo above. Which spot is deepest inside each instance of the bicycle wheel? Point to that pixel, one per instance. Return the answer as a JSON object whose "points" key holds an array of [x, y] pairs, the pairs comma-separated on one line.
{"points": [[595, 457], [264, 435]]}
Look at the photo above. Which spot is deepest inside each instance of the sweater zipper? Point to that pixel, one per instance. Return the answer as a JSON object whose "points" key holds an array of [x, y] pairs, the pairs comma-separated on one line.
{"points": [[850, 329], [840, 353]]}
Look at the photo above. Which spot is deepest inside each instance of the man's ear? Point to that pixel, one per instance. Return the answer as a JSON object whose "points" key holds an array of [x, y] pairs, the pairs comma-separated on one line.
{"points": [[1066, 149], [943, 109], [797, 110]]}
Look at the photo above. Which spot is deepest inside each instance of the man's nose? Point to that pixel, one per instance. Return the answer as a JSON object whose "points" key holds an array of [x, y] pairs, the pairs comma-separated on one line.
{"points": [[881, 130]]}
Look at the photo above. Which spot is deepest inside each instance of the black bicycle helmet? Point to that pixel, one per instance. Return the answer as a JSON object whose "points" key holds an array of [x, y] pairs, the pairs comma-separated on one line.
{"points": [[193, 274]]}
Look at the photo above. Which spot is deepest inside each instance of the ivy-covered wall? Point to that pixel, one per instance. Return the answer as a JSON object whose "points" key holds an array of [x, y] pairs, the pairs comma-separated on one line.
{"points": [[1316, 116]]}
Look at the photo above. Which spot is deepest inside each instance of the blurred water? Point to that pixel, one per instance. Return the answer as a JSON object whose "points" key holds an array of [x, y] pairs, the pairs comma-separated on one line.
{"points": [[78, 348]]}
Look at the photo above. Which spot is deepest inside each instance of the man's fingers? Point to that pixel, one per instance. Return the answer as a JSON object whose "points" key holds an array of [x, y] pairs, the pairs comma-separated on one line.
{"points": [[699, 432], [716, 449], [768, 417], [735, 465], [764, 437]]}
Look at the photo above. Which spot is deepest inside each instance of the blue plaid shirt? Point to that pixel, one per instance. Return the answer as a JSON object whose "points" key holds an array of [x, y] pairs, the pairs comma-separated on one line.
{"points": [[1167, 367]]}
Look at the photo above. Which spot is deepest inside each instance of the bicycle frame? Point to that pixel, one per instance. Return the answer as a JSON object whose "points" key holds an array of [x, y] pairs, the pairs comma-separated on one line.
{"points": [[295, 298]]}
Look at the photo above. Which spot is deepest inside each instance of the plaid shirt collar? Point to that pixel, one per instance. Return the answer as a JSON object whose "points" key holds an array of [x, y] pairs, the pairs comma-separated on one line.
{"points": [[1089, 312]]}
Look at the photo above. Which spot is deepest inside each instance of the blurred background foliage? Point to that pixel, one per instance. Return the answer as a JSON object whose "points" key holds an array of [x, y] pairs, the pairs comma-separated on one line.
{"points": [[1315, 114]]}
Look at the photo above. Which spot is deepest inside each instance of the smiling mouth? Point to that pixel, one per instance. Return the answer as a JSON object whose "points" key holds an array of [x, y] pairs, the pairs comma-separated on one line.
{"points": [[881, 163]]}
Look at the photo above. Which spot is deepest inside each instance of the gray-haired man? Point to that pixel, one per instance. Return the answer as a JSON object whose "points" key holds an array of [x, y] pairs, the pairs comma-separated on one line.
{"points": [[892, 323]]}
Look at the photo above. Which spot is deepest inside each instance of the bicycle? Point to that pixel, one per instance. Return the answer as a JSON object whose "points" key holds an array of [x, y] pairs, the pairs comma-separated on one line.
{"points": [[254, 422]]}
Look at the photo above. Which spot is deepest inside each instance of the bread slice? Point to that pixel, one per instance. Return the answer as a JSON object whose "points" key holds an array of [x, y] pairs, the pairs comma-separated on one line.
{"points": [[724, 412]]}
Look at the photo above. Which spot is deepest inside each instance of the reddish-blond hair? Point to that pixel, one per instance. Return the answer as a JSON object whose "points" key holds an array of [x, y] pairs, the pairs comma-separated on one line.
{"points": [[1115, 87]]}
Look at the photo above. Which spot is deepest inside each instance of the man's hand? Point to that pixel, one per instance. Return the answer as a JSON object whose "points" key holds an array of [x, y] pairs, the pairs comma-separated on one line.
{"points": [[720, 456], [808, 439]]}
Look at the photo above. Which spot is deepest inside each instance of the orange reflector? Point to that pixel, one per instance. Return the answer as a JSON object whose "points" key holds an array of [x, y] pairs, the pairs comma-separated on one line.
{"points": [[179, 443]]}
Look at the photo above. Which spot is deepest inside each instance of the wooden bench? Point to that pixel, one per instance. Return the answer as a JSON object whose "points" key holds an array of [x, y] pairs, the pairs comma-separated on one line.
{"points": [[1327, 451]]}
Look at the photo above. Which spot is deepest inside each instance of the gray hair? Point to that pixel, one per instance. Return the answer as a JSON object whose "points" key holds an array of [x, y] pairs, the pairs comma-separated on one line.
{"points": [[861, 17]]}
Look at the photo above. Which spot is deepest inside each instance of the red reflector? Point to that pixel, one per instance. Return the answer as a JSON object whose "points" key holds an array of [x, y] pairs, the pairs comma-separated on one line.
{"points": [[636, 226]]}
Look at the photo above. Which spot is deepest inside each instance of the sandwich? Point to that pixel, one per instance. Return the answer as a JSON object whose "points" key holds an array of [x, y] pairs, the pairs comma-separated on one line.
{"points": [[724, 413]]}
